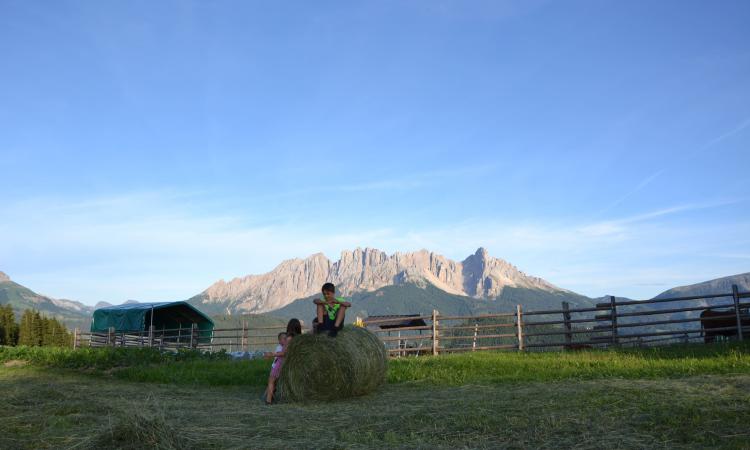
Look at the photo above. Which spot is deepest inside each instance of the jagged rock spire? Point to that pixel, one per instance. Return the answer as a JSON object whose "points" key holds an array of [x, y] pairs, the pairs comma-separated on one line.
{"points": [[369, 269]]}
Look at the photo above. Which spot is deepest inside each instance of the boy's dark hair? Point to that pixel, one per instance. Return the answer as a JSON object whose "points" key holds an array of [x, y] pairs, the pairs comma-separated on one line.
{"points": [[281, 334], [329, 287], [293, 328]]}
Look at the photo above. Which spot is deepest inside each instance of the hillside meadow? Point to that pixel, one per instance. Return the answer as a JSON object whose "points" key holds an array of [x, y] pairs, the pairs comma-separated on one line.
{"points": [[680, 396]]}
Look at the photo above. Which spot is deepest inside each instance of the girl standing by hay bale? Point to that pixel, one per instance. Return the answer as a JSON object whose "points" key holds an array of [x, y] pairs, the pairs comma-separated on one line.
{"points": [[293, 328]]}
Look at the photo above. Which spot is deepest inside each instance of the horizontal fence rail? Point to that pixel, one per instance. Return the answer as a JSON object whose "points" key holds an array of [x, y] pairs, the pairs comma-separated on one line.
{"points": [[699, 318]]}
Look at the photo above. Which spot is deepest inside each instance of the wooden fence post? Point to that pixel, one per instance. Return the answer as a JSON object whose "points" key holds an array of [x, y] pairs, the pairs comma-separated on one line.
{"points": [[736, 298], [194, 336], [435, 341], [613, 310], [476, 330], [519, 324], [566, 319], [111, 336], [245, 336], [150, 336]]}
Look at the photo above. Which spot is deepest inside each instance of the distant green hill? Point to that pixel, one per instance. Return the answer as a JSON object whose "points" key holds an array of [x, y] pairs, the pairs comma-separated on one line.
{"points": [[213, 309], [72, 314], [414, 299]]}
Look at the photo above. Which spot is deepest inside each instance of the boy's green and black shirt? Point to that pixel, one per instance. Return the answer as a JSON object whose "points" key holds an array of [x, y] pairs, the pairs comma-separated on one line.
{"points": [[332, 310]]}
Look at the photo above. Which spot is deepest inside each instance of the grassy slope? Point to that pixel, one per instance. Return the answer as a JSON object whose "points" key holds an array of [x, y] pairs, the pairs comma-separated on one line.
{"points": [[252, 320], [21, 298], [412, 299]]}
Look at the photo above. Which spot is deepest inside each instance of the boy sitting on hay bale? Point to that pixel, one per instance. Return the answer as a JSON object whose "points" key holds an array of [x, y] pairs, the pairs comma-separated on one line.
{"points": [[331, 311]]}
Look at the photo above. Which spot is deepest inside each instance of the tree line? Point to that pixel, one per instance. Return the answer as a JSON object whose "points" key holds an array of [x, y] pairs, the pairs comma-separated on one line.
{"points": [[33, 329]]}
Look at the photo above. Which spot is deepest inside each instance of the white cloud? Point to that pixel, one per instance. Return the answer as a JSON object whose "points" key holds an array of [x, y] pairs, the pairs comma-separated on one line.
{"points": [[160, 245]]}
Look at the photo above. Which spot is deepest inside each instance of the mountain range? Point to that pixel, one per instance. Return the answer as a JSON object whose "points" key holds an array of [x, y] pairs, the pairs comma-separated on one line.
{"points": [[479, 276], [70, 312], [376, 283]]}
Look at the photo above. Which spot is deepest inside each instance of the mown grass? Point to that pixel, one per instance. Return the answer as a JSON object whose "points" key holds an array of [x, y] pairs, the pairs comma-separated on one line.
{"points": [[682, 396], [53, 408]]}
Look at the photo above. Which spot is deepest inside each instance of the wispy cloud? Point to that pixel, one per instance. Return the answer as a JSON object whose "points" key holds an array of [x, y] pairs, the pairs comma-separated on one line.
{"points": [[677, 209], [645, 182], [618, 226], [738, 129], [731, 255], [158, 245], [655, 175], [413, 181]]}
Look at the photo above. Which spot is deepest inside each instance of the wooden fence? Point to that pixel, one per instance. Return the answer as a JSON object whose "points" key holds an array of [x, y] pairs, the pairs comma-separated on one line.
{"points": [[246, 339], [618, 323]]}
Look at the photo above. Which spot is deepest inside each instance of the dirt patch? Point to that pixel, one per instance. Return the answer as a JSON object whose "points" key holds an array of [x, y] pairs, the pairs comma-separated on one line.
{"points": [[15, 363]]}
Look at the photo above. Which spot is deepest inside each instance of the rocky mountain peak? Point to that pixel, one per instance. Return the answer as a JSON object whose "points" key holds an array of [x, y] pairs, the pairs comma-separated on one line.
{"points": [[4, 277], [369, 269], [714, 286]]}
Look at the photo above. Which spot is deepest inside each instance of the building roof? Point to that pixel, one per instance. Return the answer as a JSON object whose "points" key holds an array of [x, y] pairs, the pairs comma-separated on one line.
{"points": [[398, 321], [134, 316]]}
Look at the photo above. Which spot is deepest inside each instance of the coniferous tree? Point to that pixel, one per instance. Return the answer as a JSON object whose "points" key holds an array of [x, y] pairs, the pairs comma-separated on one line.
{"points": [[24, 330], [38, 327], [36, 330], [30, 332], [56, 334], [13, 327], [8, 326], [45, 328], [3, 326], [64, 336]]}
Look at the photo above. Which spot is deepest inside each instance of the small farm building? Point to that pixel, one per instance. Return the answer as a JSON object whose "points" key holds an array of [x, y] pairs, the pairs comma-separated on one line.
{"points": [[397, 321], [140, 316]]}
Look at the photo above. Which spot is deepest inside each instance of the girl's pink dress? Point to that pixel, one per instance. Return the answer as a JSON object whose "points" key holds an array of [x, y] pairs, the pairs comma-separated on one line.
{"points": [[277, 363]]}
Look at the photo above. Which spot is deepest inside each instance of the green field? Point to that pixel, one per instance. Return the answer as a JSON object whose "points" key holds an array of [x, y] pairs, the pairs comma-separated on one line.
{"points": [[682, 396]]}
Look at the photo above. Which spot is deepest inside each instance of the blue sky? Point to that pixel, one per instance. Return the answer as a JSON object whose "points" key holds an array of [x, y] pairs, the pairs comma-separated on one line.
{"points": [[148, 149]]}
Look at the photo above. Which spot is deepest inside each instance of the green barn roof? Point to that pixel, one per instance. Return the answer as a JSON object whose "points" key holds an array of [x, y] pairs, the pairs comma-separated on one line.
{"points": [[137, 317]]}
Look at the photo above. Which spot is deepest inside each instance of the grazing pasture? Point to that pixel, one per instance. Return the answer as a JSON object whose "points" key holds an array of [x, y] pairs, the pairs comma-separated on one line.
{"points": [[687, 396]]}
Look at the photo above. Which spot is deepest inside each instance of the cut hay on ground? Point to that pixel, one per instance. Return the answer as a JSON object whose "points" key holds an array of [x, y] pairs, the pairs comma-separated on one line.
{"points": [[319, 367]]}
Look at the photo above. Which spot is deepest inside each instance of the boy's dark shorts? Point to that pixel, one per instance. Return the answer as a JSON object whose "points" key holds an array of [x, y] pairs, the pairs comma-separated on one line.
{"points": [[328, 324]]}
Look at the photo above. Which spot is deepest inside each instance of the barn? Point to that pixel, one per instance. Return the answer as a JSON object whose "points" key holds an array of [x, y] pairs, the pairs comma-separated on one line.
{"points": [[138, 317]]}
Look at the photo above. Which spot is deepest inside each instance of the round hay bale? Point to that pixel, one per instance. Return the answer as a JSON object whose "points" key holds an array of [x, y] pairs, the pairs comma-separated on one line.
{"points": [[319, 367]]}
